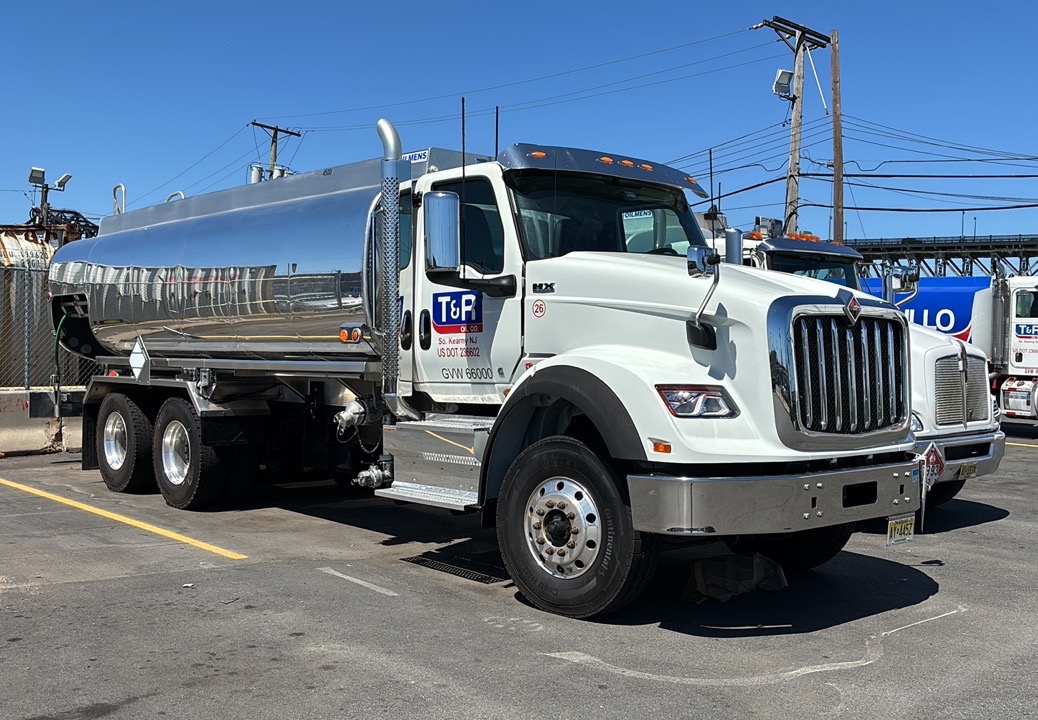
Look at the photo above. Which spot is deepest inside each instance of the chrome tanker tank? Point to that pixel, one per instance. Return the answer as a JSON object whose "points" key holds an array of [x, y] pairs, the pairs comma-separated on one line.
{"points": [[264, 271]]}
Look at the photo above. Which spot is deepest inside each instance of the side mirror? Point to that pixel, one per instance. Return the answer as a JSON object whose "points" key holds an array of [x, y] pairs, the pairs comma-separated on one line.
{"points": [[900, 281], [442, 231], [701, 260]]}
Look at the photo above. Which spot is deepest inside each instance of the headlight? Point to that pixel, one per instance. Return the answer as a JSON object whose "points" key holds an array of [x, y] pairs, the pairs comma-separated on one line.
{"points": [[705, 401], [917, 424]]}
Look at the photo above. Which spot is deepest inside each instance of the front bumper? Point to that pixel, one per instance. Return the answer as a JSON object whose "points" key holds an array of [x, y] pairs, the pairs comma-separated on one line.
{"points": [[983, 451], [705, 506]]}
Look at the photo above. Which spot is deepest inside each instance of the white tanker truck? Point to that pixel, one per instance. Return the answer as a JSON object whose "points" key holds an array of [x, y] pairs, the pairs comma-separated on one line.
{"points": [[492, 340]]}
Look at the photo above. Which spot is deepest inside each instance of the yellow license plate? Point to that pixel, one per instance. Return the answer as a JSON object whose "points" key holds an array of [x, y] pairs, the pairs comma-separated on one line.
{"points": [[900, 529], [967, 470]]}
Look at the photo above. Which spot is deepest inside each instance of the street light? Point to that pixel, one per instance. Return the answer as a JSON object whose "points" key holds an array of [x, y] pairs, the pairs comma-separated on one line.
{"points": [[38, 178], [781, 86]]}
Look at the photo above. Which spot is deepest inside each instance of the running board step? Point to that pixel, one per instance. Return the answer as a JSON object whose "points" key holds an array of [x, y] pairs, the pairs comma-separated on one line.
{"points": [[429, 495]]}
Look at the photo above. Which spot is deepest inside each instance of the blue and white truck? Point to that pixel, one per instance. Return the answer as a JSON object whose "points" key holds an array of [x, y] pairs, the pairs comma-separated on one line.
{"points": [[997, 314]]}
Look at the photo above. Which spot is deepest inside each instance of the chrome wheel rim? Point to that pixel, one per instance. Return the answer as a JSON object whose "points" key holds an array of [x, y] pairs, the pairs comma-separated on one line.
{"points": [[114, 441], [563, 527], [176, 453]]}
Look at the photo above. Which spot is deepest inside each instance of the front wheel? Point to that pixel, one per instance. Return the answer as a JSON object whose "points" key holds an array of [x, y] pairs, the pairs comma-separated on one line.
{"points": [[190, 474], [565, 532], [796, 551]]}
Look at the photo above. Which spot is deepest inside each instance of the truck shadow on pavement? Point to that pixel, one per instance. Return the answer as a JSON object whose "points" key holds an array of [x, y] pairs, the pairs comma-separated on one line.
{"points": [[848, 588], [1020, 429], [956, 514]]}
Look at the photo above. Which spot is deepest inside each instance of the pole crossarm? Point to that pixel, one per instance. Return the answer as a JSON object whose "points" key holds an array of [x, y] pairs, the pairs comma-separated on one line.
{"points": [[787, 29], [274, 131]]}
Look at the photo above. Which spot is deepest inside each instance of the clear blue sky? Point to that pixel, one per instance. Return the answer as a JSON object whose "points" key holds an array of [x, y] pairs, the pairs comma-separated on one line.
{"points": [[158, 96]]}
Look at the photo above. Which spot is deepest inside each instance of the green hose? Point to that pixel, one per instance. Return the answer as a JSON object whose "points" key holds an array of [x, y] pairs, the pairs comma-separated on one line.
{"points": [[57, 347]]}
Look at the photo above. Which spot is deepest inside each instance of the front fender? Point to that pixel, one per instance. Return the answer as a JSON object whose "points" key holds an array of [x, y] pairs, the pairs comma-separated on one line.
{"points": [[588, 384]]}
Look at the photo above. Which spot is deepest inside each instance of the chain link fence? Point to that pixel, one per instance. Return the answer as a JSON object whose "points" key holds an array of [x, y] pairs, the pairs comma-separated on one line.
{"points": [[28, 355]]}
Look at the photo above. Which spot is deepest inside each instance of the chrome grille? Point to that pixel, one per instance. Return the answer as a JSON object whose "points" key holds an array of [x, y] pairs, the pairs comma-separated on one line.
{"points": [[850, 379], [960, 399]]}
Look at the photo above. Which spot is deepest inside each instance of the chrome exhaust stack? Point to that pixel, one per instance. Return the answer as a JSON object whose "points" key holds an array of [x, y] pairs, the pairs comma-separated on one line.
{"points": [[394, 169]]}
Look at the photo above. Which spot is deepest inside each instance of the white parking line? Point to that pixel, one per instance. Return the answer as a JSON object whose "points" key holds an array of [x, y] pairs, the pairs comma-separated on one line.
{"points": [[920, 622], [358, 581], [873, 652]]}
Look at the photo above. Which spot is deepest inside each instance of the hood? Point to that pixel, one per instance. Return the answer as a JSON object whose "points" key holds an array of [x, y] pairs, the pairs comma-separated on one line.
{"points": [[660, 283]]}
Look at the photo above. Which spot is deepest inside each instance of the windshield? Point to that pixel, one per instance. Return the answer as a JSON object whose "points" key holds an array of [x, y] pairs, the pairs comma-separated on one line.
{"points": [[562, 213], [830, 269]]}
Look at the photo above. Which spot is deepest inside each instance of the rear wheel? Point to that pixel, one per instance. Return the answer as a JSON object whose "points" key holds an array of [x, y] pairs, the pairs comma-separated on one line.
{"points": [[123, 444], [797, 551], [565, 532], [943, 492], [190, 474]]}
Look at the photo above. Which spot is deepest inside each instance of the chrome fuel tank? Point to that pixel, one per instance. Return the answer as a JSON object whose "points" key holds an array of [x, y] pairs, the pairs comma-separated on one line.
{"points": [[267, 271]]}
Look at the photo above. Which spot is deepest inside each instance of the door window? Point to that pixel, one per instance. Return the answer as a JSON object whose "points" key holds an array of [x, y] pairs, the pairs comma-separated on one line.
{"points": [[1027, 304], [482, 235]]}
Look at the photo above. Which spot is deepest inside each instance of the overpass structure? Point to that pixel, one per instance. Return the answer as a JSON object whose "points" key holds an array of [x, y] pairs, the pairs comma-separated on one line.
{"points": [[1001, 255]]}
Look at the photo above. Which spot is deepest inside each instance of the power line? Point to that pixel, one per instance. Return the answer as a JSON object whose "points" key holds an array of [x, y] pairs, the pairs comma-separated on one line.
{"points": [[192, 166], [912, 192], [945, 143], [940, 155], [779, 137], [511, 84], [928, 210], [543, 102], [760, 148], [720, 145], [927, 176], [741, 140]]}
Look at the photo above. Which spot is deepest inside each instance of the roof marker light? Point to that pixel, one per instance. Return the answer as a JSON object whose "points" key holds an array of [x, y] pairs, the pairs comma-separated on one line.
{"points": [[539, 154], [627, 163], [606, 159], [646, 166]]}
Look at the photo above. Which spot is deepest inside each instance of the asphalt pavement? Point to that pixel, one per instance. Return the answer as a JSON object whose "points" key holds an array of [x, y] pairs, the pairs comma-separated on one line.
{"points": [[312, 602]]}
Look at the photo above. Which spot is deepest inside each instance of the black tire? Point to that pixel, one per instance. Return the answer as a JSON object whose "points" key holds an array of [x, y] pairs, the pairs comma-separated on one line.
{"points": [[796, 551], [943, 492], [619, 564], [123, 442], [189, 474]]}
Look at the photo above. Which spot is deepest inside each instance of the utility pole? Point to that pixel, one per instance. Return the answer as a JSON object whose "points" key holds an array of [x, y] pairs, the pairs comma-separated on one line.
{"points": [[834, 58], [274, 130], [803, 39]]}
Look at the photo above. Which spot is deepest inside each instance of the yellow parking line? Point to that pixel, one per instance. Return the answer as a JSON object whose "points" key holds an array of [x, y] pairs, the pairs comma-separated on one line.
{"points": [[129, 521], [1022, 445]]}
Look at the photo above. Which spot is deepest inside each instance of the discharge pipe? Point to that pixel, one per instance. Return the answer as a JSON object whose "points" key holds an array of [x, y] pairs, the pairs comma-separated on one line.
{"points": [[733, 246], [393, 169]]}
